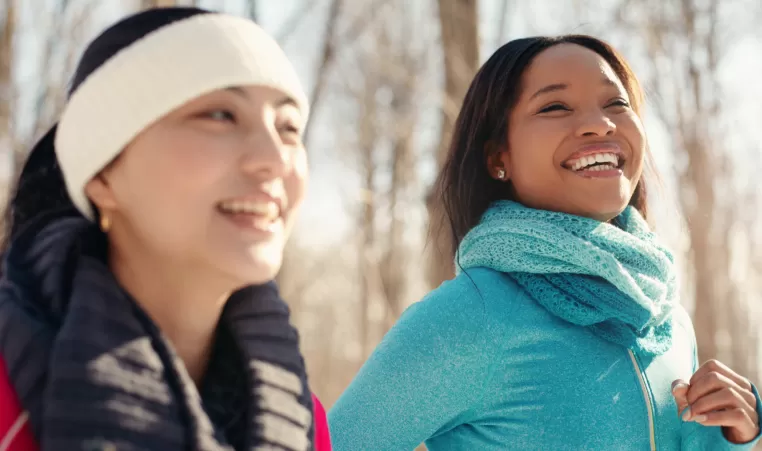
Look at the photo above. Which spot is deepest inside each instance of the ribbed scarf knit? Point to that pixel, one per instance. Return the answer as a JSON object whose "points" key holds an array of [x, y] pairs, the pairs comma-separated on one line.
{"points": [[95, 372], [614, 279]]}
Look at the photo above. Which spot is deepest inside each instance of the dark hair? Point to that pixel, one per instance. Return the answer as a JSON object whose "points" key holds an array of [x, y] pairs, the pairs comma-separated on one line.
{"points": [[464, 184], [40, 188]]}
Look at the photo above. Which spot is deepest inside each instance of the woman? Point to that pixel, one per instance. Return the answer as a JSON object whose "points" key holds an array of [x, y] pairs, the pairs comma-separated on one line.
{"points": [[562, 329], [136, 306]]}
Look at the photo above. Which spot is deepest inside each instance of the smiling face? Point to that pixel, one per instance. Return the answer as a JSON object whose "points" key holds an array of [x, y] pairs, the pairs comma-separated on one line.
{"points": [[214, 184], [575, 143]]}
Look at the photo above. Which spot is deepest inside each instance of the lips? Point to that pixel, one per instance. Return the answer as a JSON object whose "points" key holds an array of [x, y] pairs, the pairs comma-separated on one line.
{"points": [[596, 157], [598, 161], [253, 215], [267, 209]]}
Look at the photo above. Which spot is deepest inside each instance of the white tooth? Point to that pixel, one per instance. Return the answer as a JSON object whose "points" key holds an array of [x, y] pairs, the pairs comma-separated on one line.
{"points": [[600, 158], [268, 210], [252, 208]]}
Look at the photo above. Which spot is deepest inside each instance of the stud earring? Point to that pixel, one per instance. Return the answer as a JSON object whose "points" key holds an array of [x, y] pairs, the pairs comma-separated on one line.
{"points": [[501, 174], [105, 223]]}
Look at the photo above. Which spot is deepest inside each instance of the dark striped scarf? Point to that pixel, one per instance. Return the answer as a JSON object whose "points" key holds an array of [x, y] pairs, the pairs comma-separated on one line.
{"points": [[94, 372]]}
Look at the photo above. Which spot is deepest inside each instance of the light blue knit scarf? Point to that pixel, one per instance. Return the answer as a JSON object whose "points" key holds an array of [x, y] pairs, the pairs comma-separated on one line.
{"points": [[618, 281]]}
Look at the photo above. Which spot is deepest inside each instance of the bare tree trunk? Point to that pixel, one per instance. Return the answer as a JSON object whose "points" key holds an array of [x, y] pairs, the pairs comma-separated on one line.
{"points": [[8, 139], [367, 264], [501, 28], [328, 54], [403, 117], [7, 91], [683, 52], [286, 276], [252, 10], [146, 4], [460, 44], [394, 269]]}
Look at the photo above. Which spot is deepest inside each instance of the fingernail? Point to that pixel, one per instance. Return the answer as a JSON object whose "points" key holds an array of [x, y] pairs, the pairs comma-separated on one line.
{"points": [[687, 414], [679, 385], [699, 418]]}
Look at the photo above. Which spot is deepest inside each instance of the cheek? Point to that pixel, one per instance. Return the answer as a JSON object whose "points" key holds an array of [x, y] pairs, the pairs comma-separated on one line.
{"points": [[296, 181], [632, 130], [172, 185], [533, 147]]}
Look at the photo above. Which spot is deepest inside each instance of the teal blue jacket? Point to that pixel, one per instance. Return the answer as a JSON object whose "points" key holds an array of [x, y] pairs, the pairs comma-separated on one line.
{"points": [[478, 366]]}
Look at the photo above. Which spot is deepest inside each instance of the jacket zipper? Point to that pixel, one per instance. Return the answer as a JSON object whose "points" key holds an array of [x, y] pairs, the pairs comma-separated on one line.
{"points": [[649, 406]]}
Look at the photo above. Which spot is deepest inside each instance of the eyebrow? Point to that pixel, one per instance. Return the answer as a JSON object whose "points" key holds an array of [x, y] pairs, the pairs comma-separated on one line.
{"points": [[283, 101], [561, 86]]}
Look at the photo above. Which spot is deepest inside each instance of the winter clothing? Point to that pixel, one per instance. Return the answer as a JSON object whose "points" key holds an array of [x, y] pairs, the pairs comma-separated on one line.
{"points": [[156, 71], [90, 366], [529, 349], [618, 281]]}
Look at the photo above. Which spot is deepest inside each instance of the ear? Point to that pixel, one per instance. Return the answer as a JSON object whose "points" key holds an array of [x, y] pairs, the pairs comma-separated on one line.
{"points": [[497, 160], [100, 193]]}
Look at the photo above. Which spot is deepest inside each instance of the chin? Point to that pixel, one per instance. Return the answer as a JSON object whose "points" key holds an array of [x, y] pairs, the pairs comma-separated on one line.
{"points": [[603, 210], [254, 269], [606, 214], [602, 205]]}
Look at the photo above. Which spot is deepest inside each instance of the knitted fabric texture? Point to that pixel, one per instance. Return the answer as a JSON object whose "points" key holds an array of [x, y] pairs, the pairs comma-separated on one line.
{"points": [[157, 74], [616, 280], [95, 372]]}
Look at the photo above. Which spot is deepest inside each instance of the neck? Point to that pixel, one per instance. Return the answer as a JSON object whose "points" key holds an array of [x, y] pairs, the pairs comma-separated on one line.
{"points": [[183, 301]]}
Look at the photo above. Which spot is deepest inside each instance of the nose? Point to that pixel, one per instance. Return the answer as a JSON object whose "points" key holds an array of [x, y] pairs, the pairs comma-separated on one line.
{"points": [[596, 123], [265, 155]]}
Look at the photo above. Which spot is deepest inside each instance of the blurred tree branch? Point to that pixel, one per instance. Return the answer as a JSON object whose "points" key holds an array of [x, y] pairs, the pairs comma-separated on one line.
{"points": [[146, 4], [459, 26], [251, 10], [683, 49], [7, 88], [501, 28], [331, 41], [327, 56]]}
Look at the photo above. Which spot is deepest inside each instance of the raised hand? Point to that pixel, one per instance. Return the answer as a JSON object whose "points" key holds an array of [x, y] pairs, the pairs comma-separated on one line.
{"points": [[718, 396]]}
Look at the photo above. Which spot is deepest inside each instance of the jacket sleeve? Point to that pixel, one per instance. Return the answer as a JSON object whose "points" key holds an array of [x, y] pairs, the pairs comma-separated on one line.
{"points": [[322, 436], [423, 378], [696, 437], [15, 434]]}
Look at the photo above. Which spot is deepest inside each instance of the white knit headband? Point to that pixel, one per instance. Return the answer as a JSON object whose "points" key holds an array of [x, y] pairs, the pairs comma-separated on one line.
{"points": [[155, 75]]}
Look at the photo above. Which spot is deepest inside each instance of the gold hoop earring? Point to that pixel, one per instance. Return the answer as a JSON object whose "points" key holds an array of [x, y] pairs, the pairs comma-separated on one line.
{"points": [[105, 223]]}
